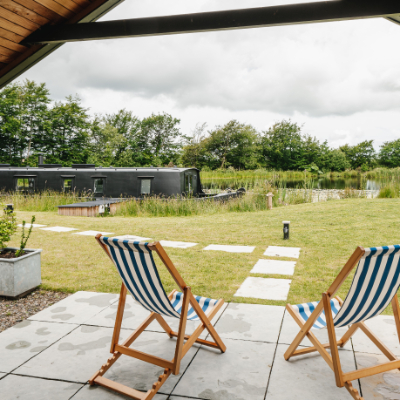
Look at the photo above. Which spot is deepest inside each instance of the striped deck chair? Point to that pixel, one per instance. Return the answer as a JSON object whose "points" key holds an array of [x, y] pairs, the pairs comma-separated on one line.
{"points": [[139, 274], [374, 287]]}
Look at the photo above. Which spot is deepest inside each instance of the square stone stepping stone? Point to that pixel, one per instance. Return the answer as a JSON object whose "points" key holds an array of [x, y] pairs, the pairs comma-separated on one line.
{"points": [[132, 237], [178, 245], [240, 373], [272, 267], [262, 288], [58, 229], [382, 386], [101, 393], [384, 328], [76, 309], [80, 354], [93, 233], [25, 388], [251, 322], [307, 377], [275, 251], [290, 330], [33, 226], [230, 249], [27, 339]]}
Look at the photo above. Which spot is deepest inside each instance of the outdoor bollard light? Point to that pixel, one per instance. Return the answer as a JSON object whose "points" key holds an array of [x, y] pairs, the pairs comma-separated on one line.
{"points": [[286, 225], [269, 200]]}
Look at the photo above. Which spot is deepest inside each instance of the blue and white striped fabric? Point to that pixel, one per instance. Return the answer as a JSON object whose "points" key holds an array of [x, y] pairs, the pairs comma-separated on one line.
{"points": [[376, 281], [374, 285], [304, 311], [138, 271]]}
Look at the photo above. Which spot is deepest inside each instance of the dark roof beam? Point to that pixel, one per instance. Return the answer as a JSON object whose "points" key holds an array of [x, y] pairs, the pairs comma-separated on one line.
{"points": [[325, 11]]}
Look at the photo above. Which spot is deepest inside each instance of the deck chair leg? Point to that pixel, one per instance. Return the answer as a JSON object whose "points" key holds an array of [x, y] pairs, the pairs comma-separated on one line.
{"points": [[396, 313], [353, 391], [332, 340], [207, 323], [304, 329], [350, 332], [181, 331], [118, 319]]}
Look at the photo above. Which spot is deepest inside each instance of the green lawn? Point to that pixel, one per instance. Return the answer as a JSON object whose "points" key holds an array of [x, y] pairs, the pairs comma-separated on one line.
{"points": [[327, 233]]}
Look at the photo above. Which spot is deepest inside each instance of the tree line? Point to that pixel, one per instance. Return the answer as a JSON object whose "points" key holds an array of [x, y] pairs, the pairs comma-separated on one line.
{"points": [[31, 124]]}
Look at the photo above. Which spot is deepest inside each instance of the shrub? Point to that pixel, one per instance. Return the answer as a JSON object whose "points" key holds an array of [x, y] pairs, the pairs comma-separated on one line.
{"points": [[8, 226]]}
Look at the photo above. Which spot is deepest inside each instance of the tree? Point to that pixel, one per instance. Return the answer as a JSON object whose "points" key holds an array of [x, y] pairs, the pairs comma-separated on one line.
{"points": [[360, 155], [160, 139], [67, 138], [389, 154], [195, 153]]}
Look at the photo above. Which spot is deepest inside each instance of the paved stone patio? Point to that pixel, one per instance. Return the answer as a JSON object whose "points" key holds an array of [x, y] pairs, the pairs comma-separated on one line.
{"points": [[53, 354]]}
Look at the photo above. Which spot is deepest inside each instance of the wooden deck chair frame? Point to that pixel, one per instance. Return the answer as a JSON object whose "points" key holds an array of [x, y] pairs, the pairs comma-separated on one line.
{"points": [[333, 360], [170, 366]]}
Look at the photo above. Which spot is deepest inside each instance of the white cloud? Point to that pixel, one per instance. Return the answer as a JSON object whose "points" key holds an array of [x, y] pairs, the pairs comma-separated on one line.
{"points": [[340, 79]]}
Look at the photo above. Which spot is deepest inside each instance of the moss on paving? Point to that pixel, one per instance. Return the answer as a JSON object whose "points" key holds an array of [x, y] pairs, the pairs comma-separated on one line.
{"points": [[327, 233]]}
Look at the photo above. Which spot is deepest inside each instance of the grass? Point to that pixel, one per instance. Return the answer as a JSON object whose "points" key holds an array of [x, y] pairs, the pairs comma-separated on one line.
{"points": [[327, 233], [390, 191]]}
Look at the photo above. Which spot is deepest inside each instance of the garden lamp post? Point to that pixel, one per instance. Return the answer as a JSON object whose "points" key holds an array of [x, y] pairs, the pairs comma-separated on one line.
{"points": [[286, 225]]}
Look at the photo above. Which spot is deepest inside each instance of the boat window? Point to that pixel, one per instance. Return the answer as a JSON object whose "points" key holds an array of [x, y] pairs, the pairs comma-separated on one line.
{"points": [[98, 185], [68, 184], [26, 185], [145, 186]]}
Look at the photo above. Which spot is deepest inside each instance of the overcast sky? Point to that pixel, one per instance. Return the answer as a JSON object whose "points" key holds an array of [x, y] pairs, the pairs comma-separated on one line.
{"points": [[341, 79]]}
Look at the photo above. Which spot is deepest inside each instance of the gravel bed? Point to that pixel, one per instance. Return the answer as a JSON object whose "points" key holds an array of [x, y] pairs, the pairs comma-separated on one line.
{"points": [[15, 311]]}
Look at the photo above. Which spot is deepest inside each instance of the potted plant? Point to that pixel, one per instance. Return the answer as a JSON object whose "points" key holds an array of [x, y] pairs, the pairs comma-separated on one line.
{"points": [[20, 268]]}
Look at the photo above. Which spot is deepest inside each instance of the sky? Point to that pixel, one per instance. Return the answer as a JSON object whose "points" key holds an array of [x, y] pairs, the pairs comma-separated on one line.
{"points": [[339, 80]]}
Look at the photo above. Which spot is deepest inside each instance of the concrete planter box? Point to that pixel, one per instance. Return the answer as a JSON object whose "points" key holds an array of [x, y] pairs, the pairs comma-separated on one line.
{"points": [[20, 275]]}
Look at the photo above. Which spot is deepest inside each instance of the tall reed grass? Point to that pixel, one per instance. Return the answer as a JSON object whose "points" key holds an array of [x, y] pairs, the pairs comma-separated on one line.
{"points": [[45, 201]]}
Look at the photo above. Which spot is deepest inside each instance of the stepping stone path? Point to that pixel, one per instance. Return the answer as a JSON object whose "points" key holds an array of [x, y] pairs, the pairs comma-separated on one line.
{"points": [[178, 245], [230, 249], [275, 251], [269, 288], [132, 237], [59, 229], [266, 289], [92, 233], [272, 267]]}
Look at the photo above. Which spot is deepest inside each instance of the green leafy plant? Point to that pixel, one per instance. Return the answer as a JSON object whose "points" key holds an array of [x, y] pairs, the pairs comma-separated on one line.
{"points": [[8, 226], [25, 238]]}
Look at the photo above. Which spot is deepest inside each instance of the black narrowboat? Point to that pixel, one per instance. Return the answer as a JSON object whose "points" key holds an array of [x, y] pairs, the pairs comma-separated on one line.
{"points": [[106, 182]]}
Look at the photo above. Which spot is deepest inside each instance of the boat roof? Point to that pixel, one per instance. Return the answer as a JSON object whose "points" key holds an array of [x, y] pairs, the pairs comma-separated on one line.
{"points": [[98, 169]]}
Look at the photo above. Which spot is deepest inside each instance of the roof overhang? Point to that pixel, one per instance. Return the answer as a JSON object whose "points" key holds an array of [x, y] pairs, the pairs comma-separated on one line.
{"points": [[41, 39]]}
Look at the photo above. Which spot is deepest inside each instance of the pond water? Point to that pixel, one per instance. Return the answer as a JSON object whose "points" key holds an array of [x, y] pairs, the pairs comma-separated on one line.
{"points": [[317, 183]]}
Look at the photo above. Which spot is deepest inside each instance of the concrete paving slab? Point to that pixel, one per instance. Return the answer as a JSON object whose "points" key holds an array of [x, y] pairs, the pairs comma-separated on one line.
{"points": [[25, 388], [307, 377], [132, 237], [2, 375], [100, 393], [251, 322], [290, 329], [79, 355], [378, 387], [33, 225], [239, 374], [277, 251], [384, 328], [230, 249], [92, 233], [58, 229], [177, 245], [26, 339], [264, 288], [76, 309], [272, 267]]}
